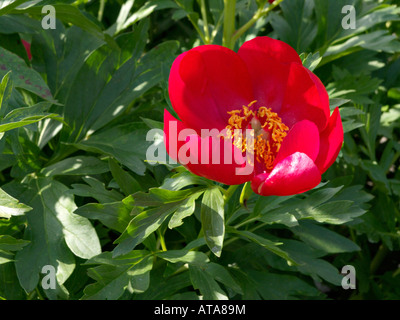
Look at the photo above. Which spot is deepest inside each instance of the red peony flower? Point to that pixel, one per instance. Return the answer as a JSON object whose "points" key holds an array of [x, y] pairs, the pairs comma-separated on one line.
{"points": [[219, 95], [27, 46]]}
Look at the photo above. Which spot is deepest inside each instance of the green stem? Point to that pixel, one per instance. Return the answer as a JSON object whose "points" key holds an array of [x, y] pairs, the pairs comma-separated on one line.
{"points": [[246, 194], [162, 240], [205, 21], [101, 10], [31, 295], [229, 241], [229, 192], [216, 29], [260, 13], [194, 23], [378, 258], [229, 23]]}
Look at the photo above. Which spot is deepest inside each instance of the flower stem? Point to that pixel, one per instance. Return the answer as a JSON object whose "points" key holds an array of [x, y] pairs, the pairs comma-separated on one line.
{"points": [[193, 22], [162, 241], [229, 192], [229, 23], [101, 10], [259, 13], [378, 258], [246, 193], [205, 21]]}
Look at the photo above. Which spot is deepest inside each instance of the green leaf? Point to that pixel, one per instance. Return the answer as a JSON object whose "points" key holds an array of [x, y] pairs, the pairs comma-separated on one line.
{"points": [[335, 212], [377, 174], [324, 239], [309, 263], [117, 86], [69, 14], [24, 116], [116, 215], [336, 102], [125, 20], [195, 258], [126, 143], [22, 76], [164, 287], [114, 276], [127, 183], [61, 53], [9, 285], [11, 6], [6, 257], [157, 196], [379, 40], [185, 210], [272, 286], [10, 24], [79, 165], [394, 93], [10, 206], [9, 243], [284, 218], [148, 221], [208, 287], [53, 231], [222, 275], [6, 87], [142, 225], [371, 18], [296, 27], [96, 189], [265, 243], [212, 219], [182, 180], [311, 60]]}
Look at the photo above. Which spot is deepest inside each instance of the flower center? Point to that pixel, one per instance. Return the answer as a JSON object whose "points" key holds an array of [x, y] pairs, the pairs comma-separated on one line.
{"points": [[267, 134]]}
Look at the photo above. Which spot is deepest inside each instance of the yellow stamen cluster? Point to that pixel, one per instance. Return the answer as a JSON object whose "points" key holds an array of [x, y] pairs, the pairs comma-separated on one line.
{"points": [[269, 132]]}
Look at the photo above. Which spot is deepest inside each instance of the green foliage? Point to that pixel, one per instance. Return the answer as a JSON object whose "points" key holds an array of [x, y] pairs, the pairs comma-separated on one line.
{"points": [[77, 192]]}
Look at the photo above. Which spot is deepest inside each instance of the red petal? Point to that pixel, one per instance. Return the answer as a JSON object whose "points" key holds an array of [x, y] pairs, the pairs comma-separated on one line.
{"points": [[294, 174], [303, 137], [276, 50], [208, 157], [205, 83], [172, 128], [330, 142], [212, 164], [305, 98], [27, 46], [268, 61]]}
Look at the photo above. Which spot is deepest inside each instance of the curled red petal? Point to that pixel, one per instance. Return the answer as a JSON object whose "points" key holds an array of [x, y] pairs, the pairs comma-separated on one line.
{"points": [[303, 137], [295, 174], [331, 141], [205, 83], [305, 98]]}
